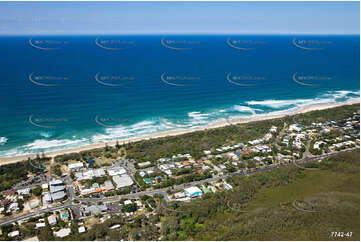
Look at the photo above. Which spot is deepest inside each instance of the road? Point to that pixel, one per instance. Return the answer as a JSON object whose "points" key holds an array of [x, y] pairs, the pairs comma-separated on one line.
{"points": [[182, 186], [163, 191], [279, 136], [36, 213], [69, 187], [307, 152]]}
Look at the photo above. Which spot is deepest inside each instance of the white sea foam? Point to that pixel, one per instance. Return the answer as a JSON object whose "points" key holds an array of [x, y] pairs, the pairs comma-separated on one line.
{"points": [[279, 103], [341, 94], [176, 123], [194, 120], [246, 109], [198, 115], [3, 140], [329, 97], [46, 134], [43, 145], [125, 132]]}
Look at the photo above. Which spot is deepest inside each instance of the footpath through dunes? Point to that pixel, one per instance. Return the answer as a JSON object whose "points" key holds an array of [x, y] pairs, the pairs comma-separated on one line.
{"points": [[285, 204]]}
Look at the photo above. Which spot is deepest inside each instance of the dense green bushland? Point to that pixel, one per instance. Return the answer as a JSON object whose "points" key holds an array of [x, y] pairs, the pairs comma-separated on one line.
{"points": [[260, 206]]}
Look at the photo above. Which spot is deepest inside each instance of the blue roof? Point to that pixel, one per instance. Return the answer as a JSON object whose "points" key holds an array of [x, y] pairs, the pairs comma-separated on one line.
{"points": [[91, 160], [237, 154]]}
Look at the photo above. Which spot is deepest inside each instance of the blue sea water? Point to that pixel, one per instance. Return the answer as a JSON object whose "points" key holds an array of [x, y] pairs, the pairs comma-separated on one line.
{"points": [[60, 92]]}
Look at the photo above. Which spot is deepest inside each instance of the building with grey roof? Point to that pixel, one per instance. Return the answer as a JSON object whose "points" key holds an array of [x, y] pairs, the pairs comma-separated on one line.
{"points": [[116, 170], [122, 181], [58, 188], [24, 191], [58, 196], [56, 182], [99, 172], [95, 209], [108, 185]]}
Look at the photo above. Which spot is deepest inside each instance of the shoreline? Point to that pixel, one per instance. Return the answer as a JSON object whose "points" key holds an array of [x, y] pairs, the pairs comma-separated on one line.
{"points": [[217, 124]]}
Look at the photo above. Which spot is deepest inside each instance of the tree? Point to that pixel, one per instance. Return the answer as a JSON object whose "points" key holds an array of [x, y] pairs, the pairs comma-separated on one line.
{"points": [[45, 234], [37, 191], [132, 207], [117, 145], [56, 170]]}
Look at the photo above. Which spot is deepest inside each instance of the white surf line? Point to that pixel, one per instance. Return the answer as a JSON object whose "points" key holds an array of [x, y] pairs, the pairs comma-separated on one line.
{"points": [[101, 124], [170, 125]]}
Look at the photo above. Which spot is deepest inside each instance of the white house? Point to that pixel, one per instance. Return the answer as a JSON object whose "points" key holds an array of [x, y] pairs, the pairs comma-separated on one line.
{"points": [[81, 229], [114, 171], [40, 225], [75, 166], [295, 127], [14, 234], [52, 219], [273, 129], [193, 192], [62, 233]]}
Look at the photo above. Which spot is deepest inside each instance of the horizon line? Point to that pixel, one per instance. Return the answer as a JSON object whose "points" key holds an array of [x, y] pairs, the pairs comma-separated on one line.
{"points": [[185, 34]]}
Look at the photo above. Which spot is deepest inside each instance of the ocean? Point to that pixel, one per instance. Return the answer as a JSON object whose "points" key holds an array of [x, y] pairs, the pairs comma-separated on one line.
{"points": [[61, 92]]}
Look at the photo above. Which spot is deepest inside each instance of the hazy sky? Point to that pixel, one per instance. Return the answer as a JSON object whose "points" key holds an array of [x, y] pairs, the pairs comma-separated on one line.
{"points": [[26, 18]]}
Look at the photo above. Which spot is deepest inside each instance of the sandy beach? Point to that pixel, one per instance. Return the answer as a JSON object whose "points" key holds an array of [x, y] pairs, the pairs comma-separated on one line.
{"points": [[7, 160]]}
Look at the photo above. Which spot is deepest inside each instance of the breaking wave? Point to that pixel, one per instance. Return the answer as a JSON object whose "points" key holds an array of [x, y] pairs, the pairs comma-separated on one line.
{"points": [[190, 120], [3, 140]]}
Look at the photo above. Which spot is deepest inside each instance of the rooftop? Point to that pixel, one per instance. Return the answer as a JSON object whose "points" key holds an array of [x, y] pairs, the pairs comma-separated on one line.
{"points": [[122, 181]]}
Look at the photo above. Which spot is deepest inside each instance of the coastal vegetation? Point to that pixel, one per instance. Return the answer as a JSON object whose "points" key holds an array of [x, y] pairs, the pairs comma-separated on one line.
{"points": [[264, 206], [11, 174], [195, 142], [272, 205]]}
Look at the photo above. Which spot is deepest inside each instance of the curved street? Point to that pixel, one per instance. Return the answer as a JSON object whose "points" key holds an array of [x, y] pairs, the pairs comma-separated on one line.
{"points": [[163, 191]]}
